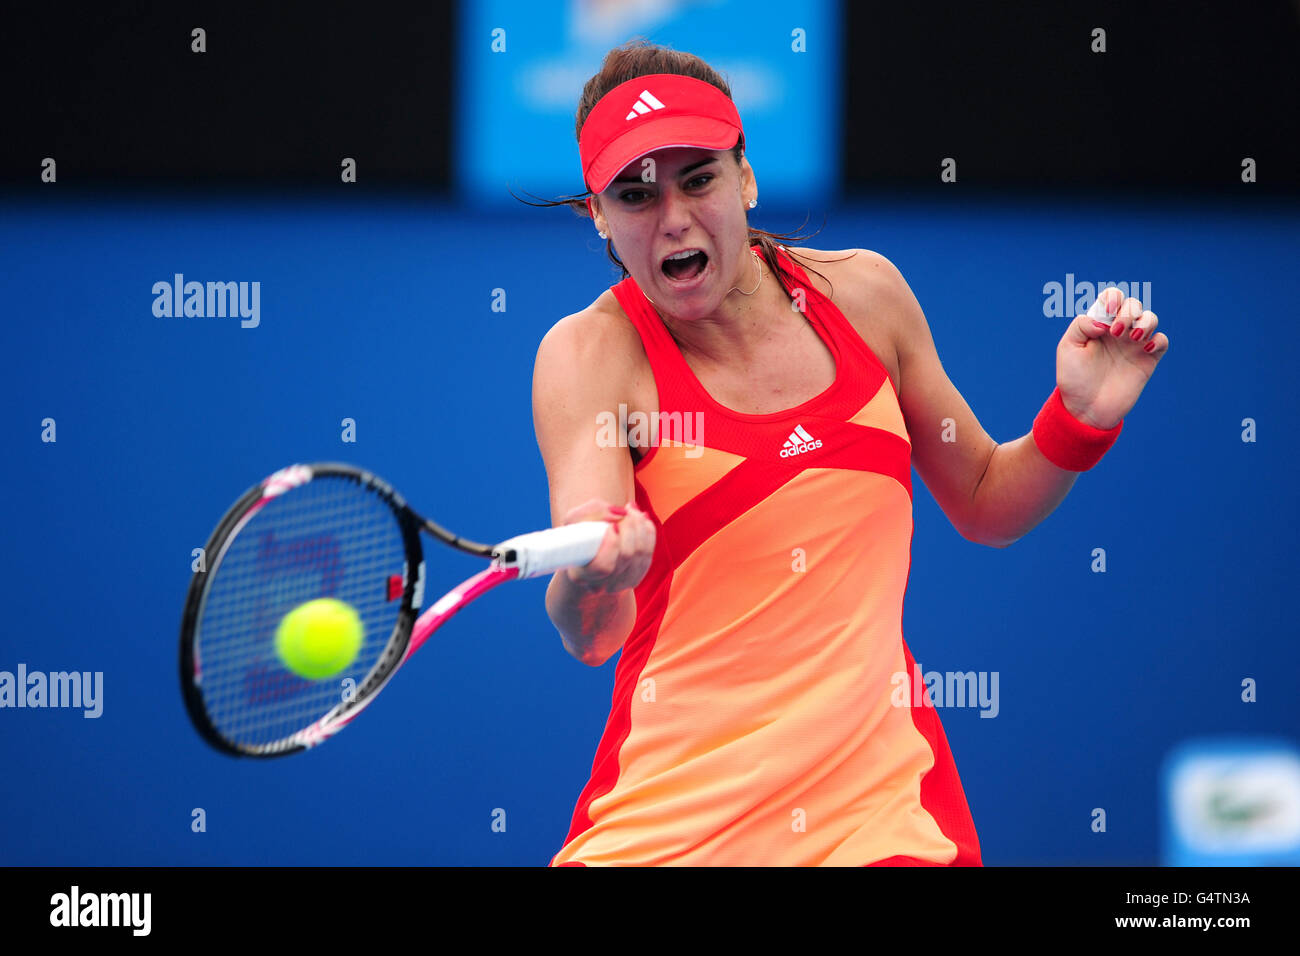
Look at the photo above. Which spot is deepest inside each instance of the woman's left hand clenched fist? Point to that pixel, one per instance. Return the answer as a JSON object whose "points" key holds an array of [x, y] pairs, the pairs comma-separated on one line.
{"points": [[1106, 357]]}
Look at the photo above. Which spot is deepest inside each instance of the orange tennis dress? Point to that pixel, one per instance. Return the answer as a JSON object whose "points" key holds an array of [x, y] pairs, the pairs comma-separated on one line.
{"points": [[755, 717]]}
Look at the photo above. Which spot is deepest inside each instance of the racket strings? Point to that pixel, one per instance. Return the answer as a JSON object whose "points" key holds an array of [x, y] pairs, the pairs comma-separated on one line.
{"points": [[327, 538]]}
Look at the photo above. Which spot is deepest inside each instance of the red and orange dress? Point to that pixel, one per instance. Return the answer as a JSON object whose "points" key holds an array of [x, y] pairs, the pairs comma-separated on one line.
{"points": [[754, 718]]}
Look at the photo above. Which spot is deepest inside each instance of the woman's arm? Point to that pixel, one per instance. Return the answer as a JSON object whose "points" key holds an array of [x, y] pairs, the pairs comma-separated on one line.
{"points": [[1017, 491], [578, 374], [993, 494]]}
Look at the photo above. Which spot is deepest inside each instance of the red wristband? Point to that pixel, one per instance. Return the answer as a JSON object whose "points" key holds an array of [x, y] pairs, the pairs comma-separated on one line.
{"points": [[1067, 442]]}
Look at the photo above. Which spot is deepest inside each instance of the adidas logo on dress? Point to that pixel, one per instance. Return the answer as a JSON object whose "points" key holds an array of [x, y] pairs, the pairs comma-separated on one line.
{"points": [[799, 442]]}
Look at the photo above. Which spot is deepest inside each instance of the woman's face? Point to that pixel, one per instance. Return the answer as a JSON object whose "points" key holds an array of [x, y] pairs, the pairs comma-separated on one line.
{"points": [[682, 200]]}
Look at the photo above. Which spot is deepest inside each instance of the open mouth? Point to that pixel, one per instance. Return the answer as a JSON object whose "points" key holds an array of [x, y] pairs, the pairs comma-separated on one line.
{"points": [[684, 266]]}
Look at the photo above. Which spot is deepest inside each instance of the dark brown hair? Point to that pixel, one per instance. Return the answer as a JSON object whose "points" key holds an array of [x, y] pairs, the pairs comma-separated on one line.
{"points": [[639, 57]]}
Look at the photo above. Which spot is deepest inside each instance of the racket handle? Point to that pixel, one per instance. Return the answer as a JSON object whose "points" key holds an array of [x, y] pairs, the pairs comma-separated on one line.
{"points": [[545, 552]]}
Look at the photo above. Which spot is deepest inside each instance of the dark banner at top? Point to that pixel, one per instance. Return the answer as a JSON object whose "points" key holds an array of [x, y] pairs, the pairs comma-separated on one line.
{"points": [[1099, 95]]}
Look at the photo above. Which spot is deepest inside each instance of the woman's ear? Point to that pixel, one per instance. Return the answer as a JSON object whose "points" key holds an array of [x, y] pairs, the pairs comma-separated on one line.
{"points": [[596, 217], [748, 182]]}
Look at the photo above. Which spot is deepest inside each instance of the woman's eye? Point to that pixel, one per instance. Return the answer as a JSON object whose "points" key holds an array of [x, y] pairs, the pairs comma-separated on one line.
{"points": [[638, 195]]}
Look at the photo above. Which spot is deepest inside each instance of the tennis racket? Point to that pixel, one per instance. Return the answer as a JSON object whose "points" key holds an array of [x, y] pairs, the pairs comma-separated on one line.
{"points": [[326, 530]]}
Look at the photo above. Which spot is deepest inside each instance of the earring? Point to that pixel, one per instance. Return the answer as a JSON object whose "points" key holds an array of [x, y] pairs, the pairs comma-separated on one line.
{"points": [[603, 235], [753, 203]]}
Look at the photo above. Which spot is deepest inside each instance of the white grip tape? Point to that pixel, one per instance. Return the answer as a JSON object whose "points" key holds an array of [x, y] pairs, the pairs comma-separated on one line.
{"points": [[545, 552]]}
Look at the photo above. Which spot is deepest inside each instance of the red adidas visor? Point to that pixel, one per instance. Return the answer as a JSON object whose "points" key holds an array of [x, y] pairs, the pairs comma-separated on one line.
{"points": [[649, 113]]}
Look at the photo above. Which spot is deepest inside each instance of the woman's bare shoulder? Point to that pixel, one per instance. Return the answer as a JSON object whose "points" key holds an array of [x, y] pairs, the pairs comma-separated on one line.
{"points": [[853, 264], [846, 274], [597, 341], [602, 324]]}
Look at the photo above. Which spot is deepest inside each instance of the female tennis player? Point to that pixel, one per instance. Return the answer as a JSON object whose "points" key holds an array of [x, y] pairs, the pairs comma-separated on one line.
{"points": [[755, 568]]}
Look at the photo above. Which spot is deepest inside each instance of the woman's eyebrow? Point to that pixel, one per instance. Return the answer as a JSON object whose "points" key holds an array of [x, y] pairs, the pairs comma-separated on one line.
{"points": [[682, 172]]}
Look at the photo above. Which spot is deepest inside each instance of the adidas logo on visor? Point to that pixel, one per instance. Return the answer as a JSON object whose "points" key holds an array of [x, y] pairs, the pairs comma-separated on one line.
{"points": [[799, 442], [644, 104]]}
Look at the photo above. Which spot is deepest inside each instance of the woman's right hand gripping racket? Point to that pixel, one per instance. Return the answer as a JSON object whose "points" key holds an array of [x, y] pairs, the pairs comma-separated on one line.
{"points": [[326, 531]]}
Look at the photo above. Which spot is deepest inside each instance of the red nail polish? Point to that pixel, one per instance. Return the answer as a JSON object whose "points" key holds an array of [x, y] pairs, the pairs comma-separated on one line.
{"points": [[1137, 334], [618, 511], [1101, 325], [1117, 331], [1150, 346]]}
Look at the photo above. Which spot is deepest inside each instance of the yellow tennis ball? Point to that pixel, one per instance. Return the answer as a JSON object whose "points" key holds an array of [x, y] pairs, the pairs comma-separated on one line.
{"points": [[320, 638]]}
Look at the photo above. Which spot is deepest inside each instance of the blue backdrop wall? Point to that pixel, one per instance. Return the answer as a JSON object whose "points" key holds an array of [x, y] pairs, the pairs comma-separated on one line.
{"points": [[380, 311]]}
